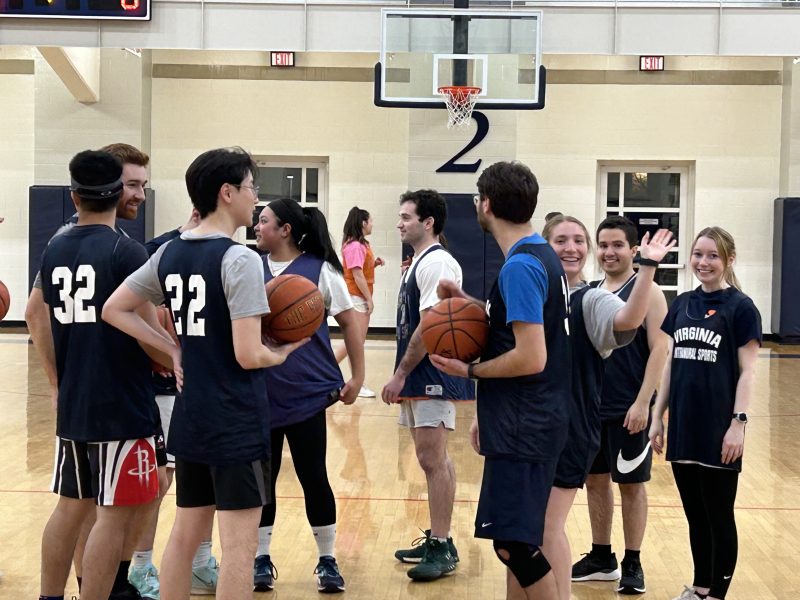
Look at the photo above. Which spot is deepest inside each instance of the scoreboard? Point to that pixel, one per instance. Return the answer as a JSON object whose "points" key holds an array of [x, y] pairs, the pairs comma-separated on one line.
{"points": [[76, 9]]}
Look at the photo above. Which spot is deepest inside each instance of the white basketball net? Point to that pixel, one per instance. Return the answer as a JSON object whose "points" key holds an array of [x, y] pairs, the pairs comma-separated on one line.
{"points": [[460, 100]]}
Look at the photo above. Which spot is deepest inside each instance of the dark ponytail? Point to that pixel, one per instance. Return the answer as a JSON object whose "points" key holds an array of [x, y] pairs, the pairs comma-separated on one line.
{"points": [[354, 226], [317, 239], [309, 229]]}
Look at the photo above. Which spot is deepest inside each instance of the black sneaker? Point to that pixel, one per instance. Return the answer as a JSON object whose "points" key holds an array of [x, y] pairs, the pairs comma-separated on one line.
{"points": [[264, 574], [417, 550], [632, 580], [329, 579], [125, 591], [592, 568], [437, 562]]}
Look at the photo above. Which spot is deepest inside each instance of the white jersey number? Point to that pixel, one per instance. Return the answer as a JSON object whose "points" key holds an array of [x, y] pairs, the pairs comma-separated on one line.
{"points": [[76, 306], [197, 286]]}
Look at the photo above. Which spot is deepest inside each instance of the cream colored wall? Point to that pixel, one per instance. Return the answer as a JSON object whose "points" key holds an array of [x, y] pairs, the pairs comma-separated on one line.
{"points": [[16, 174], [367, 149], [731, 134]]}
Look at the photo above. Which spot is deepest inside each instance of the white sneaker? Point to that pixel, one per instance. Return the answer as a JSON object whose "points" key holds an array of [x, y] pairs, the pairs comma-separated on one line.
{"points": [[687, 594], [366, 392]]}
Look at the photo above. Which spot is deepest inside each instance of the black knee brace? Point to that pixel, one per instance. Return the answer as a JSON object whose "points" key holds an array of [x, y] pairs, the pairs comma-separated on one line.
{"points": [[526, 562]]}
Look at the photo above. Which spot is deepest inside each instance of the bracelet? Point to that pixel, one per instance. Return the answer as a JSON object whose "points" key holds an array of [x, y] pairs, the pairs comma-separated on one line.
{"points": [[471, 371], [648, 262]]}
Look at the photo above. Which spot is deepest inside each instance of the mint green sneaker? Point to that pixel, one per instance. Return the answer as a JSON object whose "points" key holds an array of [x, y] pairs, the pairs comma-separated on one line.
{"points": [[437, 562], [417, 550], [204, 579], [145, 580]]}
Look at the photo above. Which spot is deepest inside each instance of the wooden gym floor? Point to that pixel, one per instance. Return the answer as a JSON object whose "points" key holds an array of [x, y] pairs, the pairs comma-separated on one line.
{"points": [[381, 497]]}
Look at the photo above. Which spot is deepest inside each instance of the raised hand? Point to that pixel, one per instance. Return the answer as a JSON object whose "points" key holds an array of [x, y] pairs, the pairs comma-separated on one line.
{"points": [[656, 248]]}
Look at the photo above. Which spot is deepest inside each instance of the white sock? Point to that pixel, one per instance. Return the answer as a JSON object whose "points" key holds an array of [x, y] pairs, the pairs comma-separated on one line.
{"points": [[326, 538], [203, 555], [142, 558], [264, 538]]}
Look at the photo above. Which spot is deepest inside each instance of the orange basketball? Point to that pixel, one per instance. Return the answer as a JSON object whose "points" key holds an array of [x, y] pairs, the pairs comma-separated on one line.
{"points": [[296, 309], [161, 363], [455, 328], [5, 300]]}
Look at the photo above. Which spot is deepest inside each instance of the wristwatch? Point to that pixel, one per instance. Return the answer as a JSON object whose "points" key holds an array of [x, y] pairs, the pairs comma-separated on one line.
{"points": [[740, 416], [471, 371]]}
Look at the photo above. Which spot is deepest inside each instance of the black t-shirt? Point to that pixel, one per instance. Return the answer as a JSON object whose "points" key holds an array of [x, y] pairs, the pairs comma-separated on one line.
{"points": [[707, 331], [104, 390]]}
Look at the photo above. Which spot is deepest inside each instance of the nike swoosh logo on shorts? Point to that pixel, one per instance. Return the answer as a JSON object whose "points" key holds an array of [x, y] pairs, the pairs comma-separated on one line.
{"points": [[628, 466], [726, 577], [485, 524]]}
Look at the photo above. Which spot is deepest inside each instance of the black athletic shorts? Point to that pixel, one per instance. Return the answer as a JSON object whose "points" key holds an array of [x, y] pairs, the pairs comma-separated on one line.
{"points": [[513, 500], [574, 463], [228, 487], [627, 457]]}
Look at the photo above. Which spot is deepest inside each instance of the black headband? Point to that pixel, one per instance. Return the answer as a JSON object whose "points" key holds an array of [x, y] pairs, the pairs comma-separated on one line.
{"points": [[97, 192]]}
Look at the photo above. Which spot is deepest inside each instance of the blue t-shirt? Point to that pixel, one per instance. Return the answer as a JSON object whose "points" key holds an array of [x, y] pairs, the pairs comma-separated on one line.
{"points": [[523, 284]]}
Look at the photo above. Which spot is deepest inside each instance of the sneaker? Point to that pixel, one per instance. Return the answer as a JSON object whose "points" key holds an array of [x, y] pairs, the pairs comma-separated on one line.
{"points": [[329, 579], [145, 580], [592, 568], [632, 580], [125, 592], [687, 594], [204, 579], [264, 574], [417, 550], [437, 562], [366, 392]]}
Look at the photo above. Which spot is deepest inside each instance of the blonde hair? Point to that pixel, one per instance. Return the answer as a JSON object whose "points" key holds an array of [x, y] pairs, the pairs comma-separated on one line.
{"points": [[726, 249], [557, 220]]}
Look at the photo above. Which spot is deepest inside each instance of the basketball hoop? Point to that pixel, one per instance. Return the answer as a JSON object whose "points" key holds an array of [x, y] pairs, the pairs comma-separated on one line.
{"points": [[460, 100]]}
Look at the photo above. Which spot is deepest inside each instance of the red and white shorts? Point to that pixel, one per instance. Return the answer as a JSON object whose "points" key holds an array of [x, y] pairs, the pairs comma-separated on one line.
{"points": [[121, 473]]}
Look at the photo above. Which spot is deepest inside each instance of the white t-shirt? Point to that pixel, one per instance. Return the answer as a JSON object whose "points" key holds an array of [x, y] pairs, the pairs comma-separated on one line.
{"points": [[435, 266], [331, 284]]}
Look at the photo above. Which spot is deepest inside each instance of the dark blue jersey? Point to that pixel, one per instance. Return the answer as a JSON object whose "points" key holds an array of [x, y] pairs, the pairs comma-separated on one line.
{"points": [[222, 414], [707, 331], [309, 380], [163, 385], [624, 369], [104, 390], [525, 417], [583, 439], [425, 380]]}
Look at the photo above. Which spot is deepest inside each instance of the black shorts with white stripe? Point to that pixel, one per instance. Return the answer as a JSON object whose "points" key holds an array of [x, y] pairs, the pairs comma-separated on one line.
{"points": [[72, 473]]}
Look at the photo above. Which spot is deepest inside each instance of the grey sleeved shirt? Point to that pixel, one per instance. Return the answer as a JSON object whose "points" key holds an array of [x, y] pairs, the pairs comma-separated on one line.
{"points": [[599, 309], [242, 279]]}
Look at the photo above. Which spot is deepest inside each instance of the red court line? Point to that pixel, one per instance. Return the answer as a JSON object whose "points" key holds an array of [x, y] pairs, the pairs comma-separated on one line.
{"points": [[382, 499]]}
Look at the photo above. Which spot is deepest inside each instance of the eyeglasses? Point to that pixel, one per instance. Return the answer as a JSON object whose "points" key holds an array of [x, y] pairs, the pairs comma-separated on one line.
{"points": [[254, 188], [476, 199]]}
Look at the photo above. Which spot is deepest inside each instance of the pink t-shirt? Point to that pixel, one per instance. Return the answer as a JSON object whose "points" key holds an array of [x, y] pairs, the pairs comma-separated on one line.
{"points": [[354, 254]]}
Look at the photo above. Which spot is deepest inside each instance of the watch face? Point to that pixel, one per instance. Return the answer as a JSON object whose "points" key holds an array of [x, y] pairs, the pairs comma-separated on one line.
{"points": [[741, 417]]}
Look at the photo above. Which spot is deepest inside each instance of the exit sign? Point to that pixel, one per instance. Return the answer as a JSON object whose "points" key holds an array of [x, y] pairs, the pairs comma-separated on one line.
{"points": [[281, 59], [651, 63]]}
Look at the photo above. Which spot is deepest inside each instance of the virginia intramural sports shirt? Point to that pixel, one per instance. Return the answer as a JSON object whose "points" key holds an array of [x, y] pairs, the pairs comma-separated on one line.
{"points": [[707, 331]]}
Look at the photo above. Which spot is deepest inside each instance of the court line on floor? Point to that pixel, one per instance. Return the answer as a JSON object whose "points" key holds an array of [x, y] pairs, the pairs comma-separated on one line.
{"points": [[458, 501]]}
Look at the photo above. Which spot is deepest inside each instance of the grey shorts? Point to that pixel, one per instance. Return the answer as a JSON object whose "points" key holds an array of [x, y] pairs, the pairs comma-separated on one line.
{"points": [[428, 413]]}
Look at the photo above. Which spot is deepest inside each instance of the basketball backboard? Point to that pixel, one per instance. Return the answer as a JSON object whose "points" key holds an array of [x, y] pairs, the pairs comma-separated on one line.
{"points": [[496, 51]]}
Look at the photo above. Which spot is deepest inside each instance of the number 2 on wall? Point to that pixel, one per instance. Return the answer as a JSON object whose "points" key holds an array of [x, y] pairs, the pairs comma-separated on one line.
{"points": [[483, 129]]}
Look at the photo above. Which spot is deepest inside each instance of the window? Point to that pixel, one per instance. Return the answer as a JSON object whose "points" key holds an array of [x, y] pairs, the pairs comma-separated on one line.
{"points": [[652, 197]]}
